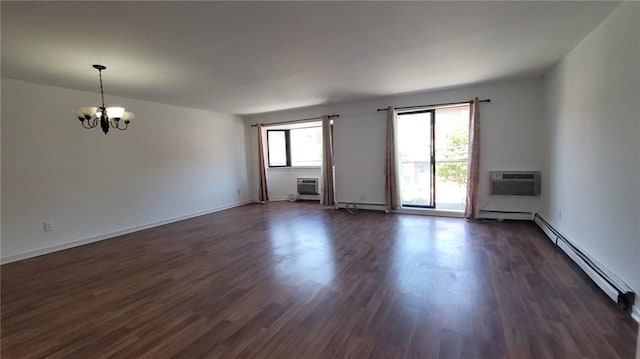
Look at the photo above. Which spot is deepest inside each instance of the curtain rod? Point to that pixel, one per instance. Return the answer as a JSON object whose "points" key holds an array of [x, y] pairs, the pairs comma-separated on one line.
{"points": [[435, 105], [294, 121]]}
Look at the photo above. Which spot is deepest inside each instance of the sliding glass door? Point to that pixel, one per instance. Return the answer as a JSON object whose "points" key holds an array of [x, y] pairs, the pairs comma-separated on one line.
{"points": [[432, 157]]}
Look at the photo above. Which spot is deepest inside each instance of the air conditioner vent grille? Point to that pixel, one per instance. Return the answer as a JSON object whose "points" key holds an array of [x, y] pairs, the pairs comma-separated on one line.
{"points": [[515, 183], [307, 186], [517, 176]]}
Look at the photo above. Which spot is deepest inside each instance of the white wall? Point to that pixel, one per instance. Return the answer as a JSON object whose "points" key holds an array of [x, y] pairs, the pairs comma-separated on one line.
{"points": [[283, 181], [511, 139], [171, 162], [593, 191]]}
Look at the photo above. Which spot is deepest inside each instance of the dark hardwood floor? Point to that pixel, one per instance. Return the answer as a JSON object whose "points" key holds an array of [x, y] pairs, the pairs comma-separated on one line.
{"points": [[294, 280]]}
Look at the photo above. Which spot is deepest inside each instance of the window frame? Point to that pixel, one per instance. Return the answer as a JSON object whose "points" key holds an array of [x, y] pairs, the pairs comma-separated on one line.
{"points": [[287, 149], [432, 157], [287, 138]]}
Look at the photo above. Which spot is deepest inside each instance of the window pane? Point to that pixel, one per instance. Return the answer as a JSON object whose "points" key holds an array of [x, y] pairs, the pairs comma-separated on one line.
{"points": [[306, 146], [277, 148], [452, 141], [414, 157]]}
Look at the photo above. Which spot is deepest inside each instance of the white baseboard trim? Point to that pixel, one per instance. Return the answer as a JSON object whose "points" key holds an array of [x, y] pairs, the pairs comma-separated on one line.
{"points": [[431, 212], [308, 197], [513, 215], [602, 276], [100, 237], [635, 313], [367, 206], [299, 198], [609, 290]]}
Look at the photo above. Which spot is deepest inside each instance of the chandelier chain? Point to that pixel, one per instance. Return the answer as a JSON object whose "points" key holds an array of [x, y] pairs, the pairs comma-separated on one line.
{"points": [[101, 91]]}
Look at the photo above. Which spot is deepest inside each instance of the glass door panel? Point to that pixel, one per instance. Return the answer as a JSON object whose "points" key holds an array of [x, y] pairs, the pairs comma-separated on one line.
{"points": [[415, 168], [451, 155]]}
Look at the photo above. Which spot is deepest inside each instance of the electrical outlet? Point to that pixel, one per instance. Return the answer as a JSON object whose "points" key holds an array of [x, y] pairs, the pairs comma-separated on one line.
{"points": [[48, 226]]}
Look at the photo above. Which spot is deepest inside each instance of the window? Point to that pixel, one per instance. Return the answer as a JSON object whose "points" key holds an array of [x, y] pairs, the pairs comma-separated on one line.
{"points": [[295, 147]]}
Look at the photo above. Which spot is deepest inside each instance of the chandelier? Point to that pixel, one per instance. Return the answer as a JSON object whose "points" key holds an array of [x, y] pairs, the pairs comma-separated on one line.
{"points": [[114, 117]]}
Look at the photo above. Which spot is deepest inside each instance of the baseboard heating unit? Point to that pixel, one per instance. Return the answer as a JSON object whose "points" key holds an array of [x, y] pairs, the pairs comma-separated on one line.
{"points": [[516, 215], [360, 205], [613, 286]]}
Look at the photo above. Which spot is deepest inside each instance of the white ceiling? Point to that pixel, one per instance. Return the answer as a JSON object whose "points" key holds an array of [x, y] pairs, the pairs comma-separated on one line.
{"points": [[252, 57]]}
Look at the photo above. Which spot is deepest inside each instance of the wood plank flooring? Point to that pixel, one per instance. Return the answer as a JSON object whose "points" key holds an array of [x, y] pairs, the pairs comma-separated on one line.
{"points": [[294, 280]]}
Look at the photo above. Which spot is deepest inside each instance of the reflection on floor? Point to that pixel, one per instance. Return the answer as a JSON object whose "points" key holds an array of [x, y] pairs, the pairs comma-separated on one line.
{"points": [[295, 280]]}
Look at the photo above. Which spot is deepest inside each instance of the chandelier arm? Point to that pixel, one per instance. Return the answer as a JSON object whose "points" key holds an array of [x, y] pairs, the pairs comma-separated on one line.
{"points": [[116, 125], [88, 124]]}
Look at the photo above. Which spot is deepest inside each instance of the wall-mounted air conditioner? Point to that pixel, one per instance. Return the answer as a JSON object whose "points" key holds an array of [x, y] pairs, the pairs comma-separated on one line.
{"points": [[515, 183], [307, 185]]}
